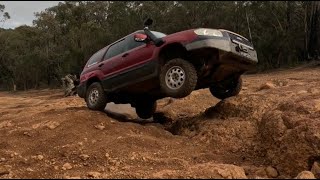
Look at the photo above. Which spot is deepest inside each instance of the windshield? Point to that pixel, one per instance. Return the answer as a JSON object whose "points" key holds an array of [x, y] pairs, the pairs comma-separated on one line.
{"points": [[158, 34]]}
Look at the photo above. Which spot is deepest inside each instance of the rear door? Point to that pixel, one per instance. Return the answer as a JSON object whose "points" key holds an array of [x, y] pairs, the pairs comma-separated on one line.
{"points": [[112, 63]]}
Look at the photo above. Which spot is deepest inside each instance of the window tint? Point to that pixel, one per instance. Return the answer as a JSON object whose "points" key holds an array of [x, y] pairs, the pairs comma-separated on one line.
{"points": [[96, 57], [131, 43], [116, 49]]}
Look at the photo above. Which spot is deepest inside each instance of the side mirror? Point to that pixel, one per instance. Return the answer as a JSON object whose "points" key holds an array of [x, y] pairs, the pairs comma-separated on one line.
{"points": [[140, 37]]}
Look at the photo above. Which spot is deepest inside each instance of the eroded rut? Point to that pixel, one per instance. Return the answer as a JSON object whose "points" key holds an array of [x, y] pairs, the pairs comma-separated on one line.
{"points": [[270, 130]]}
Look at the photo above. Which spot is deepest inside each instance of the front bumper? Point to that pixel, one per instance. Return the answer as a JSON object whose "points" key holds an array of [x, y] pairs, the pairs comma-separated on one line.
{"points": [[229, 50]]}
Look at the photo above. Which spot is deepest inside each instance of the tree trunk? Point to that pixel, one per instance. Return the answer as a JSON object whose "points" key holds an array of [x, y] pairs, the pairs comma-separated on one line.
{"points": [[306, 33], [289, 8], [313, 29], [25, 85], [14, 85]]}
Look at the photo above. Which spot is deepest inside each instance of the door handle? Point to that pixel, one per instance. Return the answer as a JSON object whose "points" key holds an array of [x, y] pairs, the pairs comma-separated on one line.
{"points": [[100, 65], [125, 55]]}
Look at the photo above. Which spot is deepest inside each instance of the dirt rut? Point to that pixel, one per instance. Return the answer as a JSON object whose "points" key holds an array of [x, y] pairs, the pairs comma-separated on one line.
{"points": [[270, 130]]}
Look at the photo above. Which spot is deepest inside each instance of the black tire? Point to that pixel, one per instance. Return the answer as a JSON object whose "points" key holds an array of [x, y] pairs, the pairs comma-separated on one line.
{"points": [[178, 86], [146, 108], [229, 89], [100, 102]]}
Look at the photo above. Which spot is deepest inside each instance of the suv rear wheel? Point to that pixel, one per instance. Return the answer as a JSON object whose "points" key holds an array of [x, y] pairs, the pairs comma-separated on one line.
{"points": [[95, 97], [227, 88], [178, 78], [146, 108]]}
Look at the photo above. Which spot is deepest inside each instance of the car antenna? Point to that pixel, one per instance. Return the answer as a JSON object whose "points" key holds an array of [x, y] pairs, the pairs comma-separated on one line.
{"points": [[249, 27]]}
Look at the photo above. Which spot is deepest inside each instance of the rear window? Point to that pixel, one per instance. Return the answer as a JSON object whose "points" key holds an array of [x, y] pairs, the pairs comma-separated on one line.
{"points": [[95, 58]]}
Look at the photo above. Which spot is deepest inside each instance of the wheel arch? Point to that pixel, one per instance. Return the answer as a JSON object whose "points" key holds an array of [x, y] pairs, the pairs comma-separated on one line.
{"points": [[92, 80]]}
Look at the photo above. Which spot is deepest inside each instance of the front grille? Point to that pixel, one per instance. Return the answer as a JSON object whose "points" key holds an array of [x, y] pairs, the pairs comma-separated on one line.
{"points": [[235, 37]]}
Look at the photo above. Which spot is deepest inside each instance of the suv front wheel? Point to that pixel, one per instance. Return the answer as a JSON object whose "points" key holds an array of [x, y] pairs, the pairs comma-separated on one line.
{"points": [[95, 97], [178, 78]]}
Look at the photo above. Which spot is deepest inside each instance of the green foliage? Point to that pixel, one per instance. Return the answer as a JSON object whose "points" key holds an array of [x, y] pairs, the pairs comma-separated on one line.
{"points": [[65, 36]]}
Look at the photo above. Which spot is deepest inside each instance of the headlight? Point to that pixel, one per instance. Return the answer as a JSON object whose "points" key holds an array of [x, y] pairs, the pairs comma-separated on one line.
{"points": [[208, 32]]}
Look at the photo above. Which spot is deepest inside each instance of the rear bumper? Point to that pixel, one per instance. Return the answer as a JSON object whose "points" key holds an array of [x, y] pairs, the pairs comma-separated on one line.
{"points": [[229, 51], [81, 90]]}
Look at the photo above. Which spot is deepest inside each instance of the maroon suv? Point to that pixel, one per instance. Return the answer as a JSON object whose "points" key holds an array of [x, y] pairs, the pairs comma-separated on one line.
{"points": [[146, 66]]}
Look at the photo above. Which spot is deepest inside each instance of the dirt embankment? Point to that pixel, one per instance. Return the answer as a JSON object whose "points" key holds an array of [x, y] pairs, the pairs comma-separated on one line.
{"points": [[270, 130]]}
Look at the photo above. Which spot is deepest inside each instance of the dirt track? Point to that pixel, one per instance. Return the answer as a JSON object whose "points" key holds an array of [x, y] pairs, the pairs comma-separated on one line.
{"points": [[273, 123]]}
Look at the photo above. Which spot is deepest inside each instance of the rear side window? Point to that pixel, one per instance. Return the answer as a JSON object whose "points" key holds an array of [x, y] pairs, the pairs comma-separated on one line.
{"points": [[96, 57], [116, 49]]}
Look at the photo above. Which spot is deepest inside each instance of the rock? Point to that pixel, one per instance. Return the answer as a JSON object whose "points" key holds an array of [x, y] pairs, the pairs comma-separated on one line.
{"points": [[313, 90], [258, 177], [302, 92], [3, 171], [268, 85], [271, 172], [2, 159], [213, 171], [29, 170], [94, 174], [316, 169], [27, 134], [112, 162], [305, 175], [75, 177], [317, 104], [40, 157], [56, 168], [112, 168], [66, 166], [52, 125], [100, 127], [84, 157], [261, 172], [107, 155], [117, 163], [6, 124]]}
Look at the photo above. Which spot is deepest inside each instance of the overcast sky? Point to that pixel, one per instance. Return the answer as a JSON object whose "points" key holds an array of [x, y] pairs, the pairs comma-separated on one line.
{"points": [[22, 12]]}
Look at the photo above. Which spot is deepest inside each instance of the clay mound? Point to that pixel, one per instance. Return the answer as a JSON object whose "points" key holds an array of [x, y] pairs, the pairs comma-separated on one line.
{"points": [[290, 137], [260, 128]]}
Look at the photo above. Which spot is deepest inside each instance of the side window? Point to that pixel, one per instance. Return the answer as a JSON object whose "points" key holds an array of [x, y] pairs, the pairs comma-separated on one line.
{"points": [[131, 43], [95, 58], [115, 49]]}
